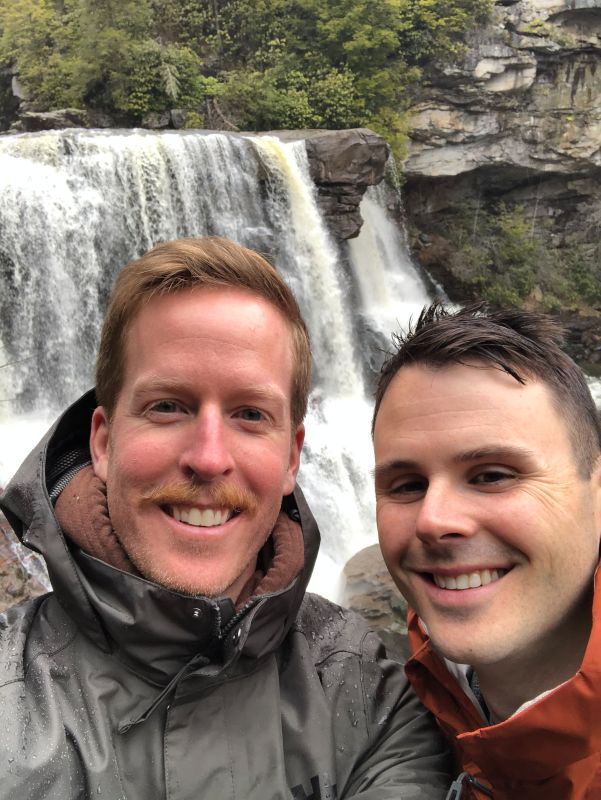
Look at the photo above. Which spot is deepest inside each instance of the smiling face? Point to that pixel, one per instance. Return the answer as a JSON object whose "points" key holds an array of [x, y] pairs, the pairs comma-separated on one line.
{"points": [[200, 448], [485, 523]]}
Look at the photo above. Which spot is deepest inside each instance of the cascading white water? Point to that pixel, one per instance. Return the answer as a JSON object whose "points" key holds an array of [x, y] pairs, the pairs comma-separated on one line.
{"points": [[391, 288], [77, 205]]}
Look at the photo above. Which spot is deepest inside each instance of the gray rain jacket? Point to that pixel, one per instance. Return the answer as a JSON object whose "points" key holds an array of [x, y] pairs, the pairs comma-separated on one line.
{"points": [[115, 687]]}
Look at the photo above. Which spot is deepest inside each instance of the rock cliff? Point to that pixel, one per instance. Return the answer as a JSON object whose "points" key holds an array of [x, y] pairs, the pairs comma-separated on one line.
{"points": [[517, 123], [342, 165]]}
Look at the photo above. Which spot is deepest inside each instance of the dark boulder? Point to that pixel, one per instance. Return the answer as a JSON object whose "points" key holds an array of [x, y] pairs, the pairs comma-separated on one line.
{"points": [[371, 592]]}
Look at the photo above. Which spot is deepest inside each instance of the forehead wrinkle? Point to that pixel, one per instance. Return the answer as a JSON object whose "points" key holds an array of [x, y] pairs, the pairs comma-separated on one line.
{"points": [[428, 415]]}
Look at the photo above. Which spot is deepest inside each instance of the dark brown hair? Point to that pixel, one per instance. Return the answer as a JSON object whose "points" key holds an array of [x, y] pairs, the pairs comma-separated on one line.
{"points": [[187, 264], [523, 344]]}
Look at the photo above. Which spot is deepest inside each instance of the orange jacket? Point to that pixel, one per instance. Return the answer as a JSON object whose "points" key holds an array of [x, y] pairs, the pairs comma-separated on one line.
{"points": [[551, 750]]}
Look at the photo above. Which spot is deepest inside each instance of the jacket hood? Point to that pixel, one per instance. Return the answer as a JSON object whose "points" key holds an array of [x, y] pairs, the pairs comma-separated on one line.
{"points": [[152, 628]]}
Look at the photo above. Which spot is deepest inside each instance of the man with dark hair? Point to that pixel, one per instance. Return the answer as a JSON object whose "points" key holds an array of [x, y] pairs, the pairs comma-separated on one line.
{"points": [[488, 486], [178, 656]]}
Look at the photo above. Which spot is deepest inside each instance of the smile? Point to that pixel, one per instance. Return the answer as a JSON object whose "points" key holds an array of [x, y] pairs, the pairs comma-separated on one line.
{"points": [[468, 580], [201, 517]]}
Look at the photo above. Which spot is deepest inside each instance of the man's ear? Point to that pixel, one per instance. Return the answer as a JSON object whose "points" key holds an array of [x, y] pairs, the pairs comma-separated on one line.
{"points": [[99, 442], [295, 450], [595, 484]]}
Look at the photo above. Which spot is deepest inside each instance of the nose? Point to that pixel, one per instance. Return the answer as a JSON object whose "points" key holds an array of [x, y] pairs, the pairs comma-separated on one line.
{"points": [[444, 514], [207, 453]]}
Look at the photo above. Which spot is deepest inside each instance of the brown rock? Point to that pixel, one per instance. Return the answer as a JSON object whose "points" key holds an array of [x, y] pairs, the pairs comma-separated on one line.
{"points": [[22, 572], [371, 592], [343, 164]]}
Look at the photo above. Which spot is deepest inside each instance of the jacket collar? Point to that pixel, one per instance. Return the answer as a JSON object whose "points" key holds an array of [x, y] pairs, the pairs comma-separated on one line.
{"points": [[566, 717]]}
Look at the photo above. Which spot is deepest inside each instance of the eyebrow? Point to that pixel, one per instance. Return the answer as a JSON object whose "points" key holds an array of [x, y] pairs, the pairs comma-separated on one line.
{"points": [[496, 452], [147, 386], [252, 392]]}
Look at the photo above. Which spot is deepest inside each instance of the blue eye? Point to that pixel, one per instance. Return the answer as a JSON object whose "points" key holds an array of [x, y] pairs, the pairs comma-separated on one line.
{"points": [[251, 415], [165, 407]]}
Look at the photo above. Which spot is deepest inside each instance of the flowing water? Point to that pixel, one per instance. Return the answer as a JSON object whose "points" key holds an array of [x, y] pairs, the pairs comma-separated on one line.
{"points": [[77, 205]]}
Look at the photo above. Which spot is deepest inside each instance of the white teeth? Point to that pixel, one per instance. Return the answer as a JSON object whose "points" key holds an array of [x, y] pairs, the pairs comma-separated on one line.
{"points": [[471, 580], [463, 581], [475, 580], [200, 518]]}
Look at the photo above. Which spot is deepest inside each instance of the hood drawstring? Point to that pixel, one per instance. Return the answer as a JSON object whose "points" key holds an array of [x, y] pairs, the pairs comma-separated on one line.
{"points": [[456, 790], [196, 661]]}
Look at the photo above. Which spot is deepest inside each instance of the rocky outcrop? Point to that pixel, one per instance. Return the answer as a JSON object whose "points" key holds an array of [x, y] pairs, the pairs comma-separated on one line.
{"points": [[517, 121], [10, 97], [526, 99], [22, 572], [32, 121], [342, 164], [370, 591]]}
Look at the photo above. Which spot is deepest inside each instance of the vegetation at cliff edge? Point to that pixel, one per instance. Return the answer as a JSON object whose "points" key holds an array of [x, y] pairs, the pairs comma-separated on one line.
{"points": [[234, 64]]}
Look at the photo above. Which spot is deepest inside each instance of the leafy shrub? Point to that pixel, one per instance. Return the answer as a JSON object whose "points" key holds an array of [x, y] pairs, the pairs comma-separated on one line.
{"points": [[508, 257], [272, 63]]}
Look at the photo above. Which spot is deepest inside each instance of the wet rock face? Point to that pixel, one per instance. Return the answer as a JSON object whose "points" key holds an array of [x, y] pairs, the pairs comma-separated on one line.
{"points": [[342, 164], [527, 95], [517, 121], [371, 592], [33, 121], [9, 97]]}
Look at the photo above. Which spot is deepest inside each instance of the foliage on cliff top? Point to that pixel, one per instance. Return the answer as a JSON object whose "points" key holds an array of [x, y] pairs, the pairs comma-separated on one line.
{"points": [[253, 64]]}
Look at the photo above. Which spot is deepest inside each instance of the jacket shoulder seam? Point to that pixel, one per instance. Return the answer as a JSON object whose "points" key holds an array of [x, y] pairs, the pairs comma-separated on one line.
{"points": [[49, 653], [12, 680]]}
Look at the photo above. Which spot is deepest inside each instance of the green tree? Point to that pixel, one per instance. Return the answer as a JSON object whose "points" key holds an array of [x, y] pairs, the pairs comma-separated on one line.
{"points": [[270, 63]]}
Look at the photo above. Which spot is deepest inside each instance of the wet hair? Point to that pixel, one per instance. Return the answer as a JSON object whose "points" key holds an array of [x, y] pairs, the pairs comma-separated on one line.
{"points": [[523, 344], [183, 264]]}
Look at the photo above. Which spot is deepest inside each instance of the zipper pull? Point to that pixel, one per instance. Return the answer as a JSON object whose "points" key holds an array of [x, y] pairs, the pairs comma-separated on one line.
{"points": [[456, 789]]}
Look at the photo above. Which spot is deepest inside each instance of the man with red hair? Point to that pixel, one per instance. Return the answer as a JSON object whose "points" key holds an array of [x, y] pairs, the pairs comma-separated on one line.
{"points": [[178, 656]]}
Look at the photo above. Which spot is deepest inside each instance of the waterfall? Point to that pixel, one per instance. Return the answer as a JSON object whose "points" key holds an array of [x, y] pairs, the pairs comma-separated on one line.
{"points": [[78, 205]]}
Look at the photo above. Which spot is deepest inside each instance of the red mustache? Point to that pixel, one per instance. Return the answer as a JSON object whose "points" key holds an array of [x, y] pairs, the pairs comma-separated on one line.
{"points": [[224, 495]]}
